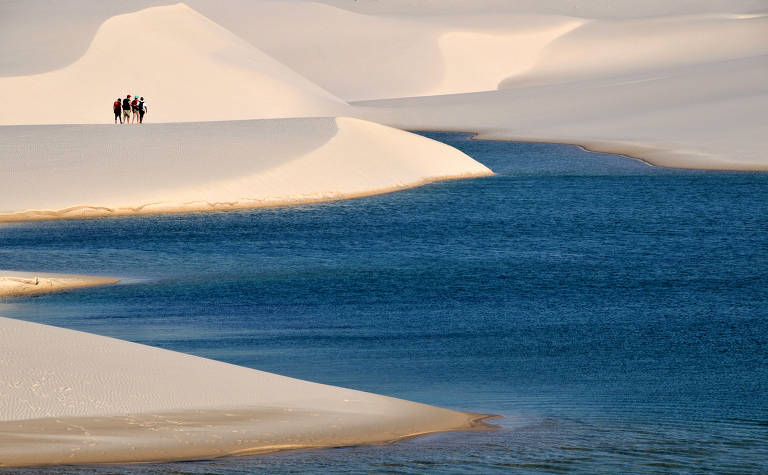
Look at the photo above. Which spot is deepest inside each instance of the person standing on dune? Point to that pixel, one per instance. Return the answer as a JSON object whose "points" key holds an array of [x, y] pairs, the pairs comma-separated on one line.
{"points": [[135, 109], [127, 109], [142, 110], [116, 107]]}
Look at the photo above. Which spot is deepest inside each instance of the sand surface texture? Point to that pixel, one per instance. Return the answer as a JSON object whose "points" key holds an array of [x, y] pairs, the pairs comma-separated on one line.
{"points": [[91, 170], [72, 397], [14, 283]]}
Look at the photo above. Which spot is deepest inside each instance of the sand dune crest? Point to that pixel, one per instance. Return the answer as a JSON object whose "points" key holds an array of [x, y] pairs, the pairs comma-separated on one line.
{"points": [[187, 67]]}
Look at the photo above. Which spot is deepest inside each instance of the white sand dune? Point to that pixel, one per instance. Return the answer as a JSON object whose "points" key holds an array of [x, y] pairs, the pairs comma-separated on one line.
{"points": [[609, 76], [678, 84], [187, 67], [720, 123], [621, 47], [73, 397], [17, 283], [38, 36], [391, 56], [78, 170]]}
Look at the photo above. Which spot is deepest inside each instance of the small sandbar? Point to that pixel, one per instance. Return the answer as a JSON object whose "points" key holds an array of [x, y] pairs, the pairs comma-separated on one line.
{"points": [[16, 284]]}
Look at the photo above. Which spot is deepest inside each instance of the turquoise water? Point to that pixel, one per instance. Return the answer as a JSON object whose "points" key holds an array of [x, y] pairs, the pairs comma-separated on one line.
{"points": [[614, 313]]}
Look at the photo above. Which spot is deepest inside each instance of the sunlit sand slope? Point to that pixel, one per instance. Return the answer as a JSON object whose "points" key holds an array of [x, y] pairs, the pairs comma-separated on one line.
{"points": [[72, 397], [77, 170], [187, 67]]}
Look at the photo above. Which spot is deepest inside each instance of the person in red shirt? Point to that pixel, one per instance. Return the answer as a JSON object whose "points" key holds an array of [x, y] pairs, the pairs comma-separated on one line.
{"points": [[116, 108]]}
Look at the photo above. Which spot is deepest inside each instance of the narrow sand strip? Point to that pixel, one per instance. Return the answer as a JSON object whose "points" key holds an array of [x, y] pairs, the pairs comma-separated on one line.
{"points": [[14, 284], [73, 397]]}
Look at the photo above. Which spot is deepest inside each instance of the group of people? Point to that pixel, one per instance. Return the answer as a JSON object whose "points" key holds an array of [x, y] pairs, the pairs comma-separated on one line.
{"points": [[126, 109]]}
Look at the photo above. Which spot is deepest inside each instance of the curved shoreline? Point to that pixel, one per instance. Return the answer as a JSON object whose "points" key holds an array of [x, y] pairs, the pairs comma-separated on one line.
{"points": [[198, 434], [73, 397], [85, 211], [675, 159]]}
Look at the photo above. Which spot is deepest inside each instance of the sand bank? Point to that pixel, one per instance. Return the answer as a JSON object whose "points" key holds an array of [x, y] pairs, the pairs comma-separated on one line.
{"points": [[708, 116], [14, 283], [73, 397], [84, 171]]}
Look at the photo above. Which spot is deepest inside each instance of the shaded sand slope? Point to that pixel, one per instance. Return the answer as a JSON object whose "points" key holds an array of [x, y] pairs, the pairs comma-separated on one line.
{"points": [[417, 48], [72, 397], [608, 48], [77, 170], [186, 66], [15, 283], [37, 36], [711, 115], [391, 56]]}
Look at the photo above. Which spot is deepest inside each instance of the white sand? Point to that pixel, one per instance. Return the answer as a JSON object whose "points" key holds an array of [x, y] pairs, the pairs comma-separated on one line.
{"points": [[16, 283], [682, 84], [391, 56], [675, 83], [187, 67], [72, 397], [77, 170], [659, 117]]}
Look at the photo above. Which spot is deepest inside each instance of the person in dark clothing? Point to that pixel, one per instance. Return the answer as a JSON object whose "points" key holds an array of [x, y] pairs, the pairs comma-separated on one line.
{"points": [[116, 107], [127, 109], [142, 110]]}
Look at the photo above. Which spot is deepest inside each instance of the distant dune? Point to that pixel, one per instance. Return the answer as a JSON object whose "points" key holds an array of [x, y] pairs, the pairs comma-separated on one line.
{"points": [[678, 84], [709, 116]]}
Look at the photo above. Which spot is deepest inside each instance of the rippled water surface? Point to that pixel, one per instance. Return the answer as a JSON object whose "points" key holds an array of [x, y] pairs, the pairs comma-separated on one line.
{"points": [[615, 314]]}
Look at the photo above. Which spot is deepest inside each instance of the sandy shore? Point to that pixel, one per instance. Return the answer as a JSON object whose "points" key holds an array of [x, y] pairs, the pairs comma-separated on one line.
{"points": [[657, 116], [75, 171], [15, 284], [73, 397], [203, 434]]}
